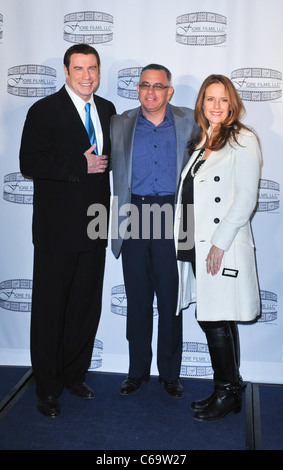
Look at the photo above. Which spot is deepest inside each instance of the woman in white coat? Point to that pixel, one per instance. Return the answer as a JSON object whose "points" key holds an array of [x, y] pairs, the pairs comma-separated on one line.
{"points": [[217, 269]]}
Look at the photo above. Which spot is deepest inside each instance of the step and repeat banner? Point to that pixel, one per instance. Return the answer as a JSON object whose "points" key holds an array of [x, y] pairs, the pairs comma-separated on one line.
{"points": [[193, 38]]}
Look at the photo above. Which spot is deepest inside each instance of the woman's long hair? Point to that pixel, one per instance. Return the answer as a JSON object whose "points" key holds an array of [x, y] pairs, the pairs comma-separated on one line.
{"points": [[231, 126]]}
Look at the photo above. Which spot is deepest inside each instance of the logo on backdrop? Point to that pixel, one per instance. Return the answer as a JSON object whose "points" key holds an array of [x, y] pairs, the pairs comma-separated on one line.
{"points": [[89, 27], [15, 295], [268, 306], [31, 81], [1, 26], [96, 358], [119, 301], [17, 189], [195, 360], [268, 196], [127, 82], [201, 28], [258, 84]]}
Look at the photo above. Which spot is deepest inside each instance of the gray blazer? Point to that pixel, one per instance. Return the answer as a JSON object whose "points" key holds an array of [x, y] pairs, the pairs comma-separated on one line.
{"points": [[122, 137]]}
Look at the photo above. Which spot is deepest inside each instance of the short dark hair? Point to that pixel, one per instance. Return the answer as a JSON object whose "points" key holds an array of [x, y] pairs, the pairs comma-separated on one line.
{"points": [[80, 49], [158, 67]]}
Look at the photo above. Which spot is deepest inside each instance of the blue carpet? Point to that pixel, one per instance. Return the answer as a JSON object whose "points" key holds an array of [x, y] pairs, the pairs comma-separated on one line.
{"points": [[271, 411], [9, 376], [147, 420]]}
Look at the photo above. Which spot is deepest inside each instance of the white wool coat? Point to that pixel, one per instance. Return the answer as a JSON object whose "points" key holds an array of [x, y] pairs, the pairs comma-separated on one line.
{"points": [[225, 197]]}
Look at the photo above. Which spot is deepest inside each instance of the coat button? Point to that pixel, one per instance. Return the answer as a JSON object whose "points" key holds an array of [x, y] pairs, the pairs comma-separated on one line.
{"points": [[216, 221], [217, 199], [216, 178]]}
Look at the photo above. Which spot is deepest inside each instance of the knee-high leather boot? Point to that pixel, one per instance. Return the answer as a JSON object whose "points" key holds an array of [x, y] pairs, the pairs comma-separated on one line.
{"points": [[236, 340], [201, 404], [227, 395]]}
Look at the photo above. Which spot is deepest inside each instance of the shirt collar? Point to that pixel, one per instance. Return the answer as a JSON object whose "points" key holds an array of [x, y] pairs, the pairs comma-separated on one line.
{"points": [[168, 114], [77, 100]]}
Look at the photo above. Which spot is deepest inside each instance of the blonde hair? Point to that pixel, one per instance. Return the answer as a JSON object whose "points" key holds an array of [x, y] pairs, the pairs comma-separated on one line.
{"points": [[231, 126]]}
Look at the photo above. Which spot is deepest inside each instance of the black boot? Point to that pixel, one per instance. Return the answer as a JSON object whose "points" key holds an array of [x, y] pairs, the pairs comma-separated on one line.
{"points": [[202, 404], [227, 391], [234, 334], [236, 340], [226, 398]]}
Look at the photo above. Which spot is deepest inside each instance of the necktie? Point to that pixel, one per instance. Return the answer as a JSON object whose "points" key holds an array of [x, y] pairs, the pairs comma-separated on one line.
{"points": [[89, 126]]}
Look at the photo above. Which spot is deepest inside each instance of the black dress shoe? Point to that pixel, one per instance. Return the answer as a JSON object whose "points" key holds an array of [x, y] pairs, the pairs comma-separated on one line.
{"points": [[49, 406], [173, 387], [82, 390], [132, 385]]}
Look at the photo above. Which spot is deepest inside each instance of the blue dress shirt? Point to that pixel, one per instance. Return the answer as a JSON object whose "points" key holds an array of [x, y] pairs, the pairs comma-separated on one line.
{"points": [[154, 157]]}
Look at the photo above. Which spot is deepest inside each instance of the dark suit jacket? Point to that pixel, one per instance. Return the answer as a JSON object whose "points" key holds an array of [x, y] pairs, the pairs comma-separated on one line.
{"points": [[52, 153]]}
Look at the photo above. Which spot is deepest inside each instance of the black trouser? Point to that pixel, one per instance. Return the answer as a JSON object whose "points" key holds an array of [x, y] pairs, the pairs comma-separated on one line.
{"points": [[149, 267], [66, 307]]}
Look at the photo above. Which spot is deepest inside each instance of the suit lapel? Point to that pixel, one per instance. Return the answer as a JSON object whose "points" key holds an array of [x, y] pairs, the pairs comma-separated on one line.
{"points": [[104, 121], [181, 129], [128, 131], [75, 123], [215, 157]]}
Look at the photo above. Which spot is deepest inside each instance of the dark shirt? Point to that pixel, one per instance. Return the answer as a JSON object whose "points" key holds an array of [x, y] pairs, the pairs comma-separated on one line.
{"points": [[188, 198]]}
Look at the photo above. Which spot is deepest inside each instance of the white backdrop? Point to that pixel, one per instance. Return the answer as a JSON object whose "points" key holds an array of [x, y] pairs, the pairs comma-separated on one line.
{"points": [[193, 38]]}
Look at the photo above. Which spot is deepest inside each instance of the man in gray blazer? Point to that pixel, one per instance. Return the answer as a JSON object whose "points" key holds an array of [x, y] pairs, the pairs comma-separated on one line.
{"points": [[149, 151]]}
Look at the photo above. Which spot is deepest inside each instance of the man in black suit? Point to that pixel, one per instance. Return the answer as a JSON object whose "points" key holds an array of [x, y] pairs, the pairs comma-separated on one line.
{"points": [[70, 173]]}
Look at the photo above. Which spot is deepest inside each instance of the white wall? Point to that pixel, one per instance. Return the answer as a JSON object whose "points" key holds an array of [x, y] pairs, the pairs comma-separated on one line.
{"points": [[195, 38]]}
